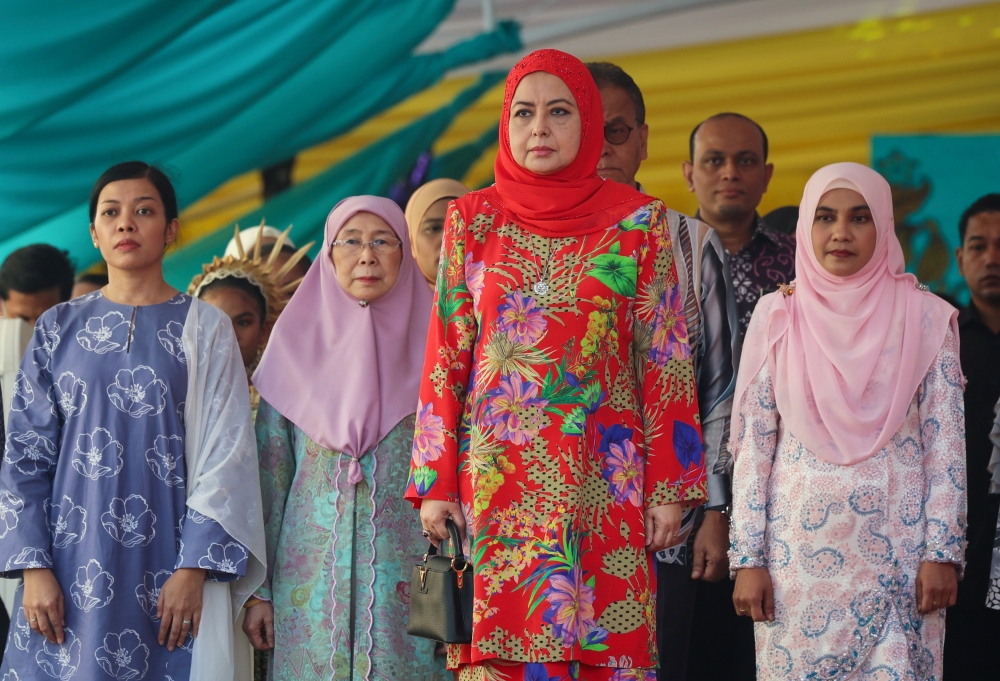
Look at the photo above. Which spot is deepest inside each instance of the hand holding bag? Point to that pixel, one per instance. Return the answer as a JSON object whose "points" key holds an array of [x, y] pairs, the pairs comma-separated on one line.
{"points": [[441, 594]]}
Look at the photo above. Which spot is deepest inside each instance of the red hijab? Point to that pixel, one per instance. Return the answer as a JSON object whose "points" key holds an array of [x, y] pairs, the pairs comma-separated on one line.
{"points": [[574, 200]]}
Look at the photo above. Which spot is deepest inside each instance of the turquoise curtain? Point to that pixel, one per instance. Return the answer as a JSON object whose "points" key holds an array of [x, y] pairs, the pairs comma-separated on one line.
{"points": [[457, 162], [373, 170], [222, 88]]}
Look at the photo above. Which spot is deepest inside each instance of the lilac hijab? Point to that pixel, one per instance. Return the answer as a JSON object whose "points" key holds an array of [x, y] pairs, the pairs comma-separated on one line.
{"points": [[343, 372]]}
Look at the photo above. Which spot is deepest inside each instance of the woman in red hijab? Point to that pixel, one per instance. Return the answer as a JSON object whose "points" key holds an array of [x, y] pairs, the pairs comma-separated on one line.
{"points": [[557, 416]]}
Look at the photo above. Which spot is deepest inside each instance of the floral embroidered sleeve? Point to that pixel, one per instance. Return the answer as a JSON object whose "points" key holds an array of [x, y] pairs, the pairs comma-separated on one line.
{"points": [[942, 434], [675, 463], [205, 544], [447, 371], [757, 443], [277, 470], [32, 449]]}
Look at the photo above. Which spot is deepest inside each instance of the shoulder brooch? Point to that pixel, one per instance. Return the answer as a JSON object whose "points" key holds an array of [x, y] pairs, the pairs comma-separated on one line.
{"points": [[786, 289], [923, 287]]}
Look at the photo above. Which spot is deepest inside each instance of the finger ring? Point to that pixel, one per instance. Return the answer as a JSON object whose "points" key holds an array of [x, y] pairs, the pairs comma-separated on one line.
{"points": [[426, 533], [33, 619], [936, 604], [185, 621], [743, 611]]}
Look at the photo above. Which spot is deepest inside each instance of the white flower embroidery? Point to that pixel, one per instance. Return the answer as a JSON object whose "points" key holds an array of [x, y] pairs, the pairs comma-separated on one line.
{"points": [[60, 661], [23, 395], [69, 525], [226, 558], [69, 394], [31, 454], [196, 517], [29, 558], [172, 340], [138, 392], [97, 454], [123, 656], [104, 334], [93, 295], [164, 456], [130, 521], [10, 508], [50, 341], [22, 632], [11, 676], [92, 588], [148, 593]]}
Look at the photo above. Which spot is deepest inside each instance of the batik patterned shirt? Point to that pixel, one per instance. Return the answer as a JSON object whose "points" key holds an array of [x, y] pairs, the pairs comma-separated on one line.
{"points": [[763, 263]]}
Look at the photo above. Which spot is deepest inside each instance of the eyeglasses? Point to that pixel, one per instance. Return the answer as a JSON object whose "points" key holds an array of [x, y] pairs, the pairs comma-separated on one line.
{"points": [[617, 133], [379, 246]]}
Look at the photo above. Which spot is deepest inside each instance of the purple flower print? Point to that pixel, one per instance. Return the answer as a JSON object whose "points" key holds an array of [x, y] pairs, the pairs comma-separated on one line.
{"points": [[520, 319], [428, 435], [514, 408], [670, 335], [475, 278], [571, 606], [625, 471]]}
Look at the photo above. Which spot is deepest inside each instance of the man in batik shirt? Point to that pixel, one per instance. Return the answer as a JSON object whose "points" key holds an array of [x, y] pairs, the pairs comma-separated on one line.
{"points": [[729, 173], [702, 268]]}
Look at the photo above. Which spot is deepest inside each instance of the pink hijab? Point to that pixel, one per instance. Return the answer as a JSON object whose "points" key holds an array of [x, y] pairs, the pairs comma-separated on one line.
{"points": [[344, 373], [846, 354]]}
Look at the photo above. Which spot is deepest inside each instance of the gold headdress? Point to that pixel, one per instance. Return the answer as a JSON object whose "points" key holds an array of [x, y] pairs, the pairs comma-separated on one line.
{"points": [[260, 272]]}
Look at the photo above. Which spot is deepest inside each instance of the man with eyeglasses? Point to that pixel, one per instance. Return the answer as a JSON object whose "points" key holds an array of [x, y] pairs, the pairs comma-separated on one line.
{"points": [[702, 270]]}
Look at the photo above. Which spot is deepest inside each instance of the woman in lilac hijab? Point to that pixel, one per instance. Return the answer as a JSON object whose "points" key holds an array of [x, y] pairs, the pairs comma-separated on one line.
{"points": [[338, 385]]}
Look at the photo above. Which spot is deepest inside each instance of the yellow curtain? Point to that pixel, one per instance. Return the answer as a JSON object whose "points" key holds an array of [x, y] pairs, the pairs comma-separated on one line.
{"points": [[819, 94]]}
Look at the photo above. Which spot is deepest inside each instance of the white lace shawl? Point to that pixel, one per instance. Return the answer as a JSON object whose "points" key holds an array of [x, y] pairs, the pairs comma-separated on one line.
{"points": [[223, 482]]}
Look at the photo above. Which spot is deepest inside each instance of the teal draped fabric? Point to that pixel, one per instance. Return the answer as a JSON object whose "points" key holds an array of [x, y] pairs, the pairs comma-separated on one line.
{"points": [[456, 162], [373, 170], [221, 88]]}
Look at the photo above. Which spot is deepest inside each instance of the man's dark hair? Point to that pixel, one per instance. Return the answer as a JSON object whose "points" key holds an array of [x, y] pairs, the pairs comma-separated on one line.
{"points": [[727, 114], [607, 74], [36, 268], [136, 170], [984, 204], [95, 278]]}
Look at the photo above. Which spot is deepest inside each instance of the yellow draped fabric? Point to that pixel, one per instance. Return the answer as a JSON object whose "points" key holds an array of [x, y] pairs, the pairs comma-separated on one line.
{"points": [[819, 94]]}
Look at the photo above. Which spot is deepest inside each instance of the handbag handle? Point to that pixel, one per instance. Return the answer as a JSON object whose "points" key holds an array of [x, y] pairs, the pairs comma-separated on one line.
{"points": [[455, 541]]}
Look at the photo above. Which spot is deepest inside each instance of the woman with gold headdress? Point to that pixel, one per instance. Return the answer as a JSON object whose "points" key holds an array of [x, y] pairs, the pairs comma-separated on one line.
{"points": [[250, 289]]}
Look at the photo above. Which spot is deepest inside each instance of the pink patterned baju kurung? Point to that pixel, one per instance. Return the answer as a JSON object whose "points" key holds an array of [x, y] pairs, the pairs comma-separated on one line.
{"points": [[843, 544]]}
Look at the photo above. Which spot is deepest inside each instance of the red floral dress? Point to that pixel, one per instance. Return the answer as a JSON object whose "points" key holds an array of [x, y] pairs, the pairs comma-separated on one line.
{"points": [[558, 404]]}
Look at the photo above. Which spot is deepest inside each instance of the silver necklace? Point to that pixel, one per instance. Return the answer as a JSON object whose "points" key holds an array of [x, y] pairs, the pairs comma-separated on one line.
{"points": [[541, 286]]}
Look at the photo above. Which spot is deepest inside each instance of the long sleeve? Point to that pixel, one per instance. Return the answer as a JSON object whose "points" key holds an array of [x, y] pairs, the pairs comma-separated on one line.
{"points": [[757, 444], [942, 435], [277, 470], [32, 449], [675, 465], [447, 372], [716, 374], [205, 544]]}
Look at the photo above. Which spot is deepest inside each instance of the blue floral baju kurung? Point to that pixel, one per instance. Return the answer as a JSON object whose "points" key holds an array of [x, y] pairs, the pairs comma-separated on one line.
{"points": [[93, 486]]}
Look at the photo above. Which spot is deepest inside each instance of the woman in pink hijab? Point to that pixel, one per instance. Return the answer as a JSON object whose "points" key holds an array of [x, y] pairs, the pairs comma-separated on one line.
{"points": [[338, 384], [849, 438]]}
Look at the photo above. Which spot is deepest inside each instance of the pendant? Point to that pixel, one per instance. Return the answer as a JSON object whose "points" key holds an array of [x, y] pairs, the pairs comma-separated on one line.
{"points": [[540, 288], [363, 303]]}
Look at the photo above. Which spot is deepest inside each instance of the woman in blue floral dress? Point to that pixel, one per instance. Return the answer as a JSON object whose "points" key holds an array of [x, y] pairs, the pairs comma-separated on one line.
{"points": [[112, 533]]}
